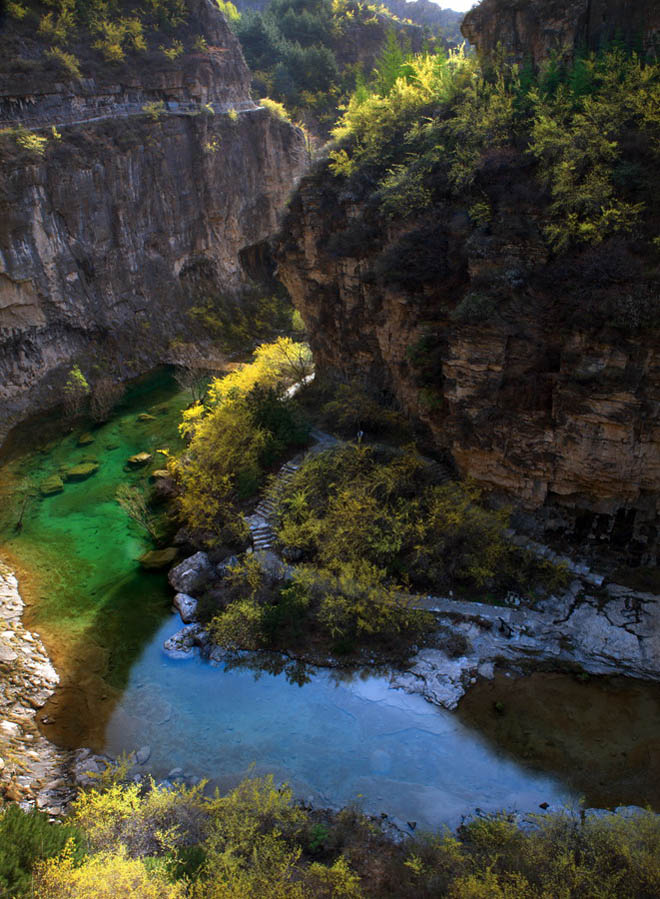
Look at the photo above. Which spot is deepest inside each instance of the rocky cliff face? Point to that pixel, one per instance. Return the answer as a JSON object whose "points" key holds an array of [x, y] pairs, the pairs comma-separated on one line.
{"points": [[536, 29], [540, 397], [124, 218]]}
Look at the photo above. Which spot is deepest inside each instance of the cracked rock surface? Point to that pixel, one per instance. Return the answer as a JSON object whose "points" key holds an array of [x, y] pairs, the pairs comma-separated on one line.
{"points": [[613, 630]]}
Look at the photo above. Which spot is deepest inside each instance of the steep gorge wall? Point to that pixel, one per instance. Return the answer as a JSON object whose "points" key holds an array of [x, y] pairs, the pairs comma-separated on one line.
{"points": [[537, 29], [537, 372], [537, 401], [127, 219]]}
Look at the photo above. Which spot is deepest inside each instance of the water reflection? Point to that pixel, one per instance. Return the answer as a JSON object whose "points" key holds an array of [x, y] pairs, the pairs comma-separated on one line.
{"points": [[601, 736], [338, 738]]}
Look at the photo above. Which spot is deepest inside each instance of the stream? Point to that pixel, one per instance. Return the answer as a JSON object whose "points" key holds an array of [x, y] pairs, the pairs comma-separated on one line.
{"points": [[337, 738]]}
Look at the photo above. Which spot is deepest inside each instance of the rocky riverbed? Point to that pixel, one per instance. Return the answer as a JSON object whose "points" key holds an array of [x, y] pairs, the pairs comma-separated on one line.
{"points": [[33, 771], [594, 627]]}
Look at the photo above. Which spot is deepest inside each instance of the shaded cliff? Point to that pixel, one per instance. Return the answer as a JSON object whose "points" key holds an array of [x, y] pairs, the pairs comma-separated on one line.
{"points": [[535, 30], [427, 264], [120, 218]]}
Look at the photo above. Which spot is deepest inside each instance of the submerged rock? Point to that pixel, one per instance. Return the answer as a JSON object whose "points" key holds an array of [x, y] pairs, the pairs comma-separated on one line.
{"points": [[183, 643], [192, 574], [159, 474], [143, 755], [85, 439], [82, 472], [186, 607], [139, 459], [159, 558], [53, 484], [144, 416]]}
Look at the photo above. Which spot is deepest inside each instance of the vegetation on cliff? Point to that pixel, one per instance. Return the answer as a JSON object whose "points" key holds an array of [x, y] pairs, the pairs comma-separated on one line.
{"points": [[434, 126], [311, 56], [255, 843], [115, 30]]}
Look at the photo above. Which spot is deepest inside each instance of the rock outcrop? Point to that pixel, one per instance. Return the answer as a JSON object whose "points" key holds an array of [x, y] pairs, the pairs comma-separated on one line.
{"points": [[527, 368], [126, 218], [535, 30], [613, 631]]}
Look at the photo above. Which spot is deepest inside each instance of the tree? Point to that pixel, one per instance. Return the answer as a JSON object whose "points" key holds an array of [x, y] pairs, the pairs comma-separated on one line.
{"points": [[105, 395], [191, 370], [134, 503], [76, 391]]}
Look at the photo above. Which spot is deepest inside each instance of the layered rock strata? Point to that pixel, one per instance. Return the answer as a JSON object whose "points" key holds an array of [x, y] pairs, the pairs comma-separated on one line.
{"points": [[130, 217], [527, 370]]}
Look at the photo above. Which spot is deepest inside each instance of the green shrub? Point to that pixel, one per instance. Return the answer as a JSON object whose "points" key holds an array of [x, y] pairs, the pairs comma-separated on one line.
{"points": [[27, 838], [359, 505], [244, 426], [67, 61]]}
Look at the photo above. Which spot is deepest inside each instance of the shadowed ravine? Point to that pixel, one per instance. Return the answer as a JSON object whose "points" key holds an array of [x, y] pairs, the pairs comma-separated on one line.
{"points": [[337, 739]]}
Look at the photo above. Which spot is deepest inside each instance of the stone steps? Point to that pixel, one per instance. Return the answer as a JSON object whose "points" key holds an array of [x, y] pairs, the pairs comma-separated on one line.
{"points": [[262, 521]]}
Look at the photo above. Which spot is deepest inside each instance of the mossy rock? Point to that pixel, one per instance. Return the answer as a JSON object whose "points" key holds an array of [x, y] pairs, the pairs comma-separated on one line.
{"points": [[85, 439], [53, 484], [160, 409], [113, 445], [159, 474], [159, 558], [82, 472], [139, 459], [145, 416]]}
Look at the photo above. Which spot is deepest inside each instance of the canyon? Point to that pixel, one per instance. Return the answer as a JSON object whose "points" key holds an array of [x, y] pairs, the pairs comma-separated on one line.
{"points": [[535, 371], [153, 180]]}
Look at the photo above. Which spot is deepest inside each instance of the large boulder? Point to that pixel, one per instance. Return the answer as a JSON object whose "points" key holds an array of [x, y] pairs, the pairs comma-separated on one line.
{"points": [[183, 643], [191, 575]]}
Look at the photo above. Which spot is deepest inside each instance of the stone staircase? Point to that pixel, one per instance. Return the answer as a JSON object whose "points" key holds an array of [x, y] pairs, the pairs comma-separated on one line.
{"points": [[262, 521]]}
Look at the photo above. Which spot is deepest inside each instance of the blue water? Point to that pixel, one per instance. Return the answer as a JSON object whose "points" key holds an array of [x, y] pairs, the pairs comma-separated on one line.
{"points": [[335, 741]]}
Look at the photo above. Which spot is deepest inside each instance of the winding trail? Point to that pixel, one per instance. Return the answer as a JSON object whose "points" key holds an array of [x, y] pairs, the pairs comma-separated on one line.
{"points": [[130, 110]]}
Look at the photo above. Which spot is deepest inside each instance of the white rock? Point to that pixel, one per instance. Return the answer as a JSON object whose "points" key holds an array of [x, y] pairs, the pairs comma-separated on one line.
{"points": [[192, 574], [186, 606]]}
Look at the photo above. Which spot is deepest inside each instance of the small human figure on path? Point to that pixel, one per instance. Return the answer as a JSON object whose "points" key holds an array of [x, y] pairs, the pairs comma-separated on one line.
{"points": [[360, 435]]}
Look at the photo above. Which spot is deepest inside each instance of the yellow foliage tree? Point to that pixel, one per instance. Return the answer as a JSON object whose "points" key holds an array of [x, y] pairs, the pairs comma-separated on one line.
{"points": [[106, 875]]}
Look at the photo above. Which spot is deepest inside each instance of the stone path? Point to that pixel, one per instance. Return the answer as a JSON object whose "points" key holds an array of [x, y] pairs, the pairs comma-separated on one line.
{"points": [[128, 110], [263, 521]]}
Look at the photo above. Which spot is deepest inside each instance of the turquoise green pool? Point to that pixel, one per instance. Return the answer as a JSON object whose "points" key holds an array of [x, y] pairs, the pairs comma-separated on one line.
{"points": [[77, 551], [337, 740]]}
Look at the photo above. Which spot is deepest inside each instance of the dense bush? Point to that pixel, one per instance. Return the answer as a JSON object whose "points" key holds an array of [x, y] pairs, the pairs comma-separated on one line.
{"points": [[592, 128], [342, 607], [256, 843], [25, 840], [244, 425], [359, 504]]}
